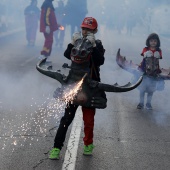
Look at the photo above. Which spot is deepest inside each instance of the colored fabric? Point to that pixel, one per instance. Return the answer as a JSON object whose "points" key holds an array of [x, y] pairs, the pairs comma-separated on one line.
{"points": [[66, 120], [48, 17], [146, 49], [142, 65], [148, 84], [47, 44], [96, 61], [88, 118]]}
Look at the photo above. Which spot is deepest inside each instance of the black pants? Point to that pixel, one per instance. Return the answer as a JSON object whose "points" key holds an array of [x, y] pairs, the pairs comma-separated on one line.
{"points": [[64, 124]]}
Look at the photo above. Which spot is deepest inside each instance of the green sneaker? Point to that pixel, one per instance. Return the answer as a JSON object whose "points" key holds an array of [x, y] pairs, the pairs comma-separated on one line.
{"points": [[88, 149], [54, 153]]}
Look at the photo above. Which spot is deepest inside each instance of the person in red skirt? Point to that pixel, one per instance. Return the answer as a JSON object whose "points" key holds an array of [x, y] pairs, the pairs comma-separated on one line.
{"points": [[48, 24]]}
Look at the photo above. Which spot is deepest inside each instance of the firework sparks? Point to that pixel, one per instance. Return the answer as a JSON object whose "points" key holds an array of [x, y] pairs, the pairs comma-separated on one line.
{"points": [[71, 93], [36, 123], [15, 142]]}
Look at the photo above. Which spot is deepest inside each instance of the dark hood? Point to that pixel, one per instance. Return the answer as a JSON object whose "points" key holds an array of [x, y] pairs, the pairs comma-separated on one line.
{"points": [[47, 4]]}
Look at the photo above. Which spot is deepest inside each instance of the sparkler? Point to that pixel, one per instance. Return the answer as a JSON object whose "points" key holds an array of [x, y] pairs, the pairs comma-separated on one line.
{"points": [[70, 94]]}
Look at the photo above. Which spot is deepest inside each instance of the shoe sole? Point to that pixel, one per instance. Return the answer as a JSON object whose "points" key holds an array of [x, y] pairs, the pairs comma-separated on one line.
{"points": [[149, 108], [54, 158], [85, 154]]}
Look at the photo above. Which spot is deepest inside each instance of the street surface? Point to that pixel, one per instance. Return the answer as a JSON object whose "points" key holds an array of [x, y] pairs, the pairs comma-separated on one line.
{"points": [[125, 138]]}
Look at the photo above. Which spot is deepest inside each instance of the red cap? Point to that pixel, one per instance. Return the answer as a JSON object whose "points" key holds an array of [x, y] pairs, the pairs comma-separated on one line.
{"points": [[89, 22]]}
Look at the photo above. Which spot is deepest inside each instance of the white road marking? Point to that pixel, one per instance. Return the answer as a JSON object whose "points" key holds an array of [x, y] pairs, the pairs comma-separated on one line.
{"points": [[72, 147]]}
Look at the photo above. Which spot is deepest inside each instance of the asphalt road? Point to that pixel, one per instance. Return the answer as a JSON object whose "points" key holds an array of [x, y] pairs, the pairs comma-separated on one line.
{"points": [[125, 138]]}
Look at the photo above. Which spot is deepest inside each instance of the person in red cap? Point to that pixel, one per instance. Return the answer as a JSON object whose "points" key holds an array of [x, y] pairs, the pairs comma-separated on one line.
{"points": [[48, 24], [89, 28]]}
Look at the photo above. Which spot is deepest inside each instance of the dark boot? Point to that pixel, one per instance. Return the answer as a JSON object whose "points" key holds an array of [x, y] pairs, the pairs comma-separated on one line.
{"points": [[140, 106], [148, 106]]}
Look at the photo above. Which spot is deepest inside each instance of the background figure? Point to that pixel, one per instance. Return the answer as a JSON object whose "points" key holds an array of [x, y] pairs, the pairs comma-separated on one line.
{"points": [[75, 11], [48, 24], [60, 14], [150, 67], [32, 15]]}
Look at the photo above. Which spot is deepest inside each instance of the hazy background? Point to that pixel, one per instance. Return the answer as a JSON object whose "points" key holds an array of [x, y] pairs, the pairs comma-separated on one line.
{"points": [[122, 24], [25, 93], [28, 113]]}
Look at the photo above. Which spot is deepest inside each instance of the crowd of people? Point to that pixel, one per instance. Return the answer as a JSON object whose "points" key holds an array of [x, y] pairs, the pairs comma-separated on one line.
{"points": [[63, 17]]}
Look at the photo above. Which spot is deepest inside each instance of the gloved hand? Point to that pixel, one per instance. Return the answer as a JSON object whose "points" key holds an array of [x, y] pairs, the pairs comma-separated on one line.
{"points": [[47, 29], [91, 38], [157, 54], [148, 54], [75, 37]]}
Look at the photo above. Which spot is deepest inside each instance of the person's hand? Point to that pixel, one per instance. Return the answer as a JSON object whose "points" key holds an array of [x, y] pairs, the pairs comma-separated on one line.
{"points": [[61, 28], [148, 54], [91, 38], [47, 29], [75, 37], [157, 54]]}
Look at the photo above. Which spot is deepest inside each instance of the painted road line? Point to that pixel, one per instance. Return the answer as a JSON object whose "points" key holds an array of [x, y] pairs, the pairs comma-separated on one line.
{"points": [[72, 147]]}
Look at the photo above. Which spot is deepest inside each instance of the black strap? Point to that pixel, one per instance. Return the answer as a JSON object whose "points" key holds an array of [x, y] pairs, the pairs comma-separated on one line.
{"points": [[93, 67]]}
